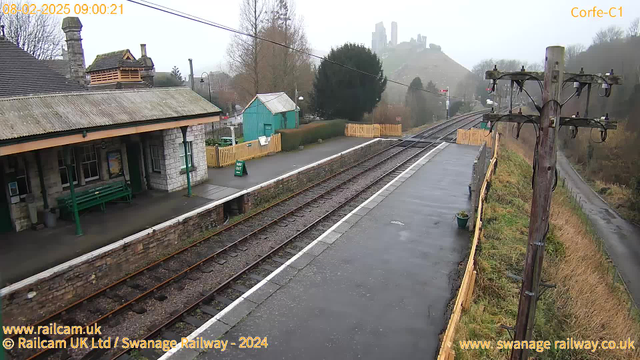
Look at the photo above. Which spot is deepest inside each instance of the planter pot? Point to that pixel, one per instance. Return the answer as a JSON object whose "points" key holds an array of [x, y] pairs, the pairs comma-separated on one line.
{"points": [[49, 219], [462, 221]]}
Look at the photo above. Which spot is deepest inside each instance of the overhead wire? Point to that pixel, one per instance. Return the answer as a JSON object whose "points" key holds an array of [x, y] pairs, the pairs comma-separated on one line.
{"points": [[184, 15], [603, 130]]}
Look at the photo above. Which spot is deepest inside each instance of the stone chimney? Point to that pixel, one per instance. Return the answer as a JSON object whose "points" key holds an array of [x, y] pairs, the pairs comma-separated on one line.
{"points": [[72, 28], [149, 70]]}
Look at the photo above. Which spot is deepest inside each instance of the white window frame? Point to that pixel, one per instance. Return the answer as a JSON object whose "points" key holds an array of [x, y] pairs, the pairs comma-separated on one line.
{"points": [[75, 168], [157, 157], [189, 153], [21, 172], [93, 159]]}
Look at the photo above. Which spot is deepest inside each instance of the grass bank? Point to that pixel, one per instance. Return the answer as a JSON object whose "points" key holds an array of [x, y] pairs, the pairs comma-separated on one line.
{"points": [[586, 305], [620, 197]]}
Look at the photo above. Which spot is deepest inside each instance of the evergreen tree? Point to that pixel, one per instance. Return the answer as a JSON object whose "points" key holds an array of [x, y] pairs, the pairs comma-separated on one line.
{"points": [[416, 101], [175, 73], [339, 92]]}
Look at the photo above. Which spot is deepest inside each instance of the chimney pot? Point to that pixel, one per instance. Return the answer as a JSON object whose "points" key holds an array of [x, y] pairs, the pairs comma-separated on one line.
{"points": [[72, 28], [143, 50]]}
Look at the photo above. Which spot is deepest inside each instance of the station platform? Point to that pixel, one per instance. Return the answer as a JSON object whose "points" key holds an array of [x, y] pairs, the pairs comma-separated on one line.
{"points": [[29, 252], [376, 285], [271, 166]]}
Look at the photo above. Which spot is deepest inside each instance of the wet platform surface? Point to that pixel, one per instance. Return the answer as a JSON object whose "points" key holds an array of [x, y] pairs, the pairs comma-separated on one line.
{"points": [[374, 286]]}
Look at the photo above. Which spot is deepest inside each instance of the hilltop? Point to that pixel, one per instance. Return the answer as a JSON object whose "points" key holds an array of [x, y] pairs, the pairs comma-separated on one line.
{"points": [[406, 61]]}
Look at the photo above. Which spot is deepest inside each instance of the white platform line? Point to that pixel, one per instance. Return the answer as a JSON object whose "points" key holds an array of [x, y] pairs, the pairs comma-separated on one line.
{"points": [[256, 287]]}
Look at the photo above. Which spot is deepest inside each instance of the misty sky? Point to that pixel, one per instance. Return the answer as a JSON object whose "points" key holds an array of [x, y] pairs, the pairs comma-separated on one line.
{"points": [[468, 31]]}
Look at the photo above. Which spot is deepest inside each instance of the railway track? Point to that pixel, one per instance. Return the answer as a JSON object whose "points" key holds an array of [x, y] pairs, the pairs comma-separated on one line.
{"points": [[173, 296]]}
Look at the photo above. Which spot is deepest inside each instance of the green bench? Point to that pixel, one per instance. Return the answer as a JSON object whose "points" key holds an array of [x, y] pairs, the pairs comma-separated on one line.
{"points": [[95, 196]]}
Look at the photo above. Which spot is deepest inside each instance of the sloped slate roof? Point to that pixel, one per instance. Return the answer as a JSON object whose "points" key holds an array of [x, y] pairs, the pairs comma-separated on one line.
{"points": [[113, 60], [44, 114], [276, 102], [22, 74], [58, 65]]}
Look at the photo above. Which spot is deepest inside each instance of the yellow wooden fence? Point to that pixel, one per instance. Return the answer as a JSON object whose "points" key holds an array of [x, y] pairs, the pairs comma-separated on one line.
{"points": [[373, 130], [390, 129], [465, 293], [474, 136], [247, 150]]}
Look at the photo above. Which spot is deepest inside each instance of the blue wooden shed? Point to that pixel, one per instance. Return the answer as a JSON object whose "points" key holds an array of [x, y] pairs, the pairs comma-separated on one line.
{"points": [[267, 113]]}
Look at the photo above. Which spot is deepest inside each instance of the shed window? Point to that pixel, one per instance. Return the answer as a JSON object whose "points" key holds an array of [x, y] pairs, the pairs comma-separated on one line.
{"points": [[62, 169], [90, 163], [189, 155], [156, 157]]}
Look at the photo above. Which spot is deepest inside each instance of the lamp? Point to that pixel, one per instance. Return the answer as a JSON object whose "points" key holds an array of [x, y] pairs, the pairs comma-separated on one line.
{"points": [[208, 81]]}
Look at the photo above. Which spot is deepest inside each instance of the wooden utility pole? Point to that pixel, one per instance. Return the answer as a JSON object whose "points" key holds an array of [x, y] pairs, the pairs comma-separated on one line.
{"points": [[543, 181], [544, 176]]}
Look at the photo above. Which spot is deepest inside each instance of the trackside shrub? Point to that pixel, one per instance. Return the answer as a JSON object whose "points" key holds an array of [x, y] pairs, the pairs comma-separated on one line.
{"points": [[310, 133]]}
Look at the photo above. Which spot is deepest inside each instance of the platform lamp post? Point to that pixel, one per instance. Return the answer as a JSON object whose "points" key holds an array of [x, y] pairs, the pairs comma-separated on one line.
{"points": [[68, 162], [186, 158], [298, 98], [208, 82]]}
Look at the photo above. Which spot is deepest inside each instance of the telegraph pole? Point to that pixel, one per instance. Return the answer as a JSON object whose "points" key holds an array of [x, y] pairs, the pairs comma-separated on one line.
{"points": [[544, 176], [543, 181]]}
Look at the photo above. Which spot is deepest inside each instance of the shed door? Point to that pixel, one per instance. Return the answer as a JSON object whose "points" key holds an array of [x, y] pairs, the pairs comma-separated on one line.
{"points": [[268, 130]]}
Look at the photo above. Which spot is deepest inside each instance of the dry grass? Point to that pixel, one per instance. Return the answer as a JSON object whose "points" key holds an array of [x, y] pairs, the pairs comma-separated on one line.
{"points": [[586, 305], [598, 308], [619, 197]]}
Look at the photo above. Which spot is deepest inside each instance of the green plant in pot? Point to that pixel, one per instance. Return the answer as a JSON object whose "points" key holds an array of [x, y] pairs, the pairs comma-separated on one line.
{"points": [[462, 217]]}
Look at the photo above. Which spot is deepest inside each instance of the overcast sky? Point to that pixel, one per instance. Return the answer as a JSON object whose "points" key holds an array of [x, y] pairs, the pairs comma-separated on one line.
{"points": [[468, 31]]}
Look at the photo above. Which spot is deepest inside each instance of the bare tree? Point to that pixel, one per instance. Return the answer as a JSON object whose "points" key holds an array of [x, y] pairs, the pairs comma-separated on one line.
{"points": [[244, 51], [536, 66], [503, 65], [38, 34], [612, 33], [572, 51], [286, 69], [634, 28]]}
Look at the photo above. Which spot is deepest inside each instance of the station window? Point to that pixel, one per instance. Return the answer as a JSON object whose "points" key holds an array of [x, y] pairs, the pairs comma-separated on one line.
{"points": [[89, 163], [189, 155], [21, 178], [156, 157], [62, 169], [23, 182]]}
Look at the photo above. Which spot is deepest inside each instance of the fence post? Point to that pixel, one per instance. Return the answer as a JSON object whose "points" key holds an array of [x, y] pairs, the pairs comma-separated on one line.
{"points": [[217, 155], [467, 301]]}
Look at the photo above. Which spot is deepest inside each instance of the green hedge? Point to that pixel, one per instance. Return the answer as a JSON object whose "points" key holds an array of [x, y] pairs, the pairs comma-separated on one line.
{"points": [[310, 133]]}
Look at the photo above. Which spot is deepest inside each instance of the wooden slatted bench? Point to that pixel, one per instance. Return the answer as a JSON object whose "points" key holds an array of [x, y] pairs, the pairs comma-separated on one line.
{"points": [[96, 196]]}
